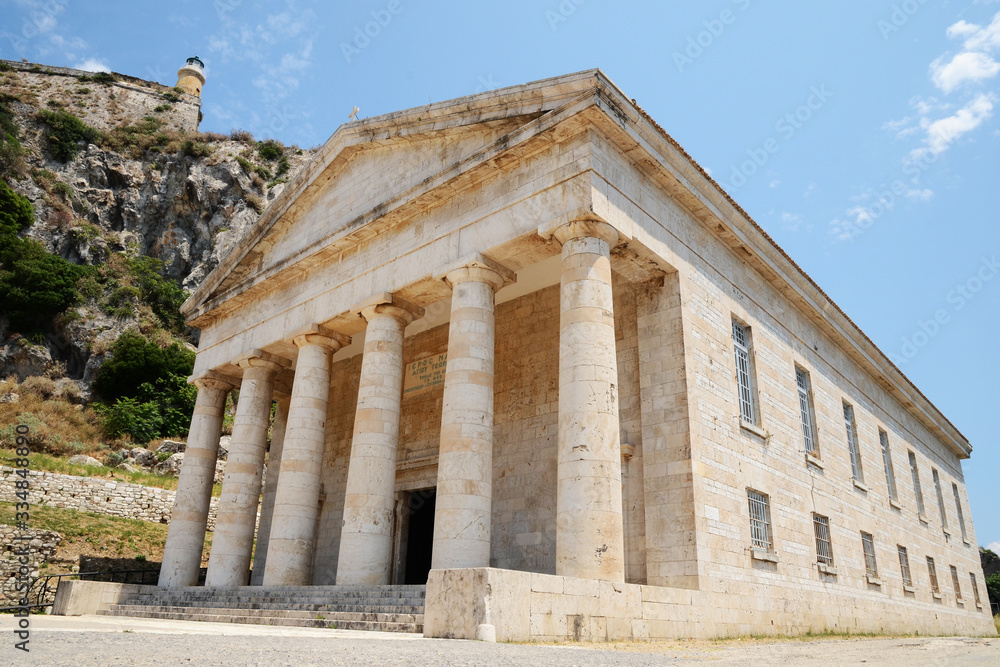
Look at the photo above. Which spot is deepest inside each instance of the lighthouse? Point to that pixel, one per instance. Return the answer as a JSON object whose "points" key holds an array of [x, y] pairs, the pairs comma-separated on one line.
{"points": [[191, 77]]}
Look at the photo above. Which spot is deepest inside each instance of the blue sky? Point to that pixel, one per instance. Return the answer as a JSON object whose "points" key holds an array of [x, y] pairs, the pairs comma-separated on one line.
{"points": [[862, 135]]}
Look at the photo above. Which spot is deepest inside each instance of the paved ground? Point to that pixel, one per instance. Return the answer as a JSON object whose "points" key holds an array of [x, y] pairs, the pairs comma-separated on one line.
{"points": [[98, 640]]}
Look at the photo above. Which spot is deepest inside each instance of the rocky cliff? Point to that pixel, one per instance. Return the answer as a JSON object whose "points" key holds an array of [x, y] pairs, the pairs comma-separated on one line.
{"points": [[107, 187]]}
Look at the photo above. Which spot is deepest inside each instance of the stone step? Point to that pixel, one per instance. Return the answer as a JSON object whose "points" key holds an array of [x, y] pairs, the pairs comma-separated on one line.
{"points": [[274, 601], [267, 593], [294, 606], [233, 616], [330, 615]]}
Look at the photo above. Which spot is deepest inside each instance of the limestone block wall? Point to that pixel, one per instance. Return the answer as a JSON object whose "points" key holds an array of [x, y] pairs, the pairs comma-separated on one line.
{"points": [[524, 606], [103, 106], [92, 494], [715, 286]]}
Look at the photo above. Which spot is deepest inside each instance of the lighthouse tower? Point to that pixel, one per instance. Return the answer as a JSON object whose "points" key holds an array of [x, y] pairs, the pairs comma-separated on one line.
{"points": [[191, 77]]}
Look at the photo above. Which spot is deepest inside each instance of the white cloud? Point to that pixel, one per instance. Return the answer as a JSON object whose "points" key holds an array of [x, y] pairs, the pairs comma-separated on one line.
{"points": [[921, 194], [775, 183], [966, 66], [994, 547], [942, 133], [791, 220], [981, 39], [92, 65], [962, 29]]}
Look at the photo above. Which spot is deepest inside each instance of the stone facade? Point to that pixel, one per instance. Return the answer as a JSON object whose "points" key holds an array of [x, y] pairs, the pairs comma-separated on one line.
{"points": [[42, 545], [102, 496], [542, 270]]}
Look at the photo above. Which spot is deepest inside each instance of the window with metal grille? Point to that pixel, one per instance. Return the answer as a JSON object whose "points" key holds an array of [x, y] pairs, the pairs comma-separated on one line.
{"points": [[824, 549], [916, 483], [806, 411], [958, 508], [852, 443], [940, 498], [868, 544], [744, 372], [904, 565], [890, 476], [975, 588], [760, 520], [932, 573], [954, 582]]}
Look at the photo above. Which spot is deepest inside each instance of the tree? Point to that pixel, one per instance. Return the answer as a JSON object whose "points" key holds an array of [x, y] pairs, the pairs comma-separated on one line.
{"points": [[135, 361]]}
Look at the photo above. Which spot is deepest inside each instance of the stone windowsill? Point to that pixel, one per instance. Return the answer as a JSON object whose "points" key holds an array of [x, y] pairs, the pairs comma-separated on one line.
{"points": [[960, 602], [923, 518], [936, 595], [859, 485], [812, 459], [966, 542], [753, 428], [761, 554], [894, 504], [827, 569], [909, 589], [979, 606], [874, 581]]}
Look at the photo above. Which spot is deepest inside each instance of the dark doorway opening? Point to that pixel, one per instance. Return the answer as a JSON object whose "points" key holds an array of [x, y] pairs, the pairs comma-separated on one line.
{"points": [[420, 536]]}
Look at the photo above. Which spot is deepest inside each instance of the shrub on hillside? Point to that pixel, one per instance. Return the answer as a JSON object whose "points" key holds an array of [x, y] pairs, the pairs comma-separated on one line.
{"points": [[65, 132], [35, 285], [11, 151], [136, 360], [270, 149]]}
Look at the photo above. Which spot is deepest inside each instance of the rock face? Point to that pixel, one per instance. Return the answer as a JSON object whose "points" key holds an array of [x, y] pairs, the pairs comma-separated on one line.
{"points": [[185, 207], [171, 466], [172, 447]]}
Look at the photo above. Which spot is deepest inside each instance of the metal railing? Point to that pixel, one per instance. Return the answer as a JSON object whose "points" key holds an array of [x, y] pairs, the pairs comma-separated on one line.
{"points": [[41, 587]]}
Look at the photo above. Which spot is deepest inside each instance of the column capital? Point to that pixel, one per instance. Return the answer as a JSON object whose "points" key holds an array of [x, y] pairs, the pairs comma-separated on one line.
{"points": [[317, 334], [390, 305], [214, 380], [479, 269], [261, 359], [587, 228]]}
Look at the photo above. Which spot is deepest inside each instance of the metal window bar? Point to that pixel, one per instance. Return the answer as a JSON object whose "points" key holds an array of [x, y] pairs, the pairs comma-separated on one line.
{"points": [[916, 484], [890, 475], [868, 544], [904, 566], [932, 572], [940, 497], [741, 345], [824, 550], [805, 409], [958, 508], [955, 583], [852, 443], [975, 588], [760, 522]]}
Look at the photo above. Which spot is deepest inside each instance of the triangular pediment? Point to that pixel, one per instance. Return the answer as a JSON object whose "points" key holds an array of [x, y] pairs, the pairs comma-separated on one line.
{"points": [[368, 164]]}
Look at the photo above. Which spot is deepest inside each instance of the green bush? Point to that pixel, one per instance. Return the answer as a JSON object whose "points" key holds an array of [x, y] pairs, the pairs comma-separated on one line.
{"points": [[172, 97], [161, 108], [134, 360], [161, 294], [195, 148], [127, 416], [270, 149], [65, 132], [35, 285], [993, 587]]}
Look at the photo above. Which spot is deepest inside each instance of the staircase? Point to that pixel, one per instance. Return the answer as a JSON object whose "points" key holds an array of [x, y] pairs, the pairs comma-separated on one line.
{"points": [[382, 608]]}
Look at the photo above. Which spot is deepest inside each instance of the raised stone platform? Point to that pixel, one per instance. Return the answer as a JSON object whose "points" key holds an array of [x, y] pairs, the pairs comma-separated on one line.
{"points": [[382, 608]]}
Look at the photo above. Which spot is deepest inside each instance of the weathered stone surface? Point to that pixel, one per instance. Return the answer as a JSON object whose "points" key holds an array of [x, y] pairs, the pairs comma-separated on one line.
{"points": [[171, 446], [143, 457], [169, 466], [82, 460]]}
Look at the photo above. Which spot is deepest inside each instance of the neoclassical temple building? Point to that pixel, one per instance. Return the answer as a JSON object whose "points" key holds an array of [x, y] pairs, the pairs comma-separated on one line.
{"points": [[522, 349]]}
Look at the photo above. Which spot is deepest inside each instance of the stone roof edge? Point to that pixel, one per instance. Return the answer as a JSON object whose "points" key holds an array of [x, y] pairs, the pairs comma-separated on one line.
{"points": [[353, 133], [851, 331]]}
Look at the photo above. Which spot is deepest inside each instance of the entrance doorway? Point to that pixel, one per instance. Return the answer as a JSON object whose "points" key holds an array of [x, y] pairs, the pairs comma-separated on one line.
{"points": [[420, 536]]}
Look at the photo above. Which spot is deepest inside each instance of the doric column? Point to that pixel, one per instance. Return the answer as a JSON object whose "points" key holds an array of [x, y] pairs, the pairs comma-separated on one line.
{"points": [[229, 560], [186, 533], [296, 502], [366, 537], [589, 533], [278, 426], [465, 463]]}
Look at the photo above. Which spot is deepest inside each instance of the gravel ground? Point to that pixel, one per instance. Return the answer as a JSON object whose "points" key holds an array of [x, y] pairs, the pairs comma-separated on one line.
{"points": [[83, 641]]}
